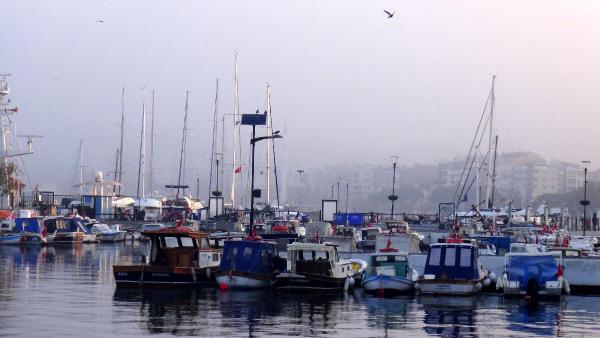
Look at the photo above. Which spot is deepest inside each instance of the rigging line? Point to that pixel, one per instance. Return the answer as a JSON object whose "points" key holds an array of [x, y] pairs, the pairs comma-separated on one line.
{"points": [[459, 196], [471, 185], [473, 142], [25, 170]]}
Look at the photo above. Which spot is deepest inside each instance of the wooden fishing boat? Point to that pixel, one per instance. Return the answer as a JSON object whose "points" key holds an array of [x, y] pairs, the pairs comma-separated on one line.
{"points": [[178, 256]]}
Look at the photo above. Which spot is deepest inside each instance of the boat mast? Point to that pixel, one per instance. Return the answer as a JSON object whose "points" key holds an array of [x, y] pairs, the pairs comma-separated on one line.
{"points": [[142, 160], [183, 141], [236, 111], [213, 150], [269, 142], [151, 164], [80, 158], [477, 197], [488, 196], [120, 178]]}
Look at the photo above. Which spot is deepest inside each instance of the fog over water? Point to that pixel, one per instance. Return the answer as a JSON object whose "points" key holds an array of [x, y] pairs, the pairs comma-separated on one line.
{"points": [[348, 84]]}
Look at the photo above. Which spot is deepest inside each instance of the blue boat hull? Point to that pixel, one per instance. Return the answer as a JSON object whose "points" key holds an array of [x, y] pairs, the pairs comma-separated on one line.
{"points": [[387, 284]]}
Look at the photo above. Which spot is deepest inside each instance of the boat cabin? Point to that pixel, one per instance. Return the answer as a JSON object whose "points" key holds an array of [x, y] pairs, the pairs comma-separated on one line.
{"points": [[259, 257], [180, 246], [313, 258], [453, 261], [369, 234], [388, 264]]}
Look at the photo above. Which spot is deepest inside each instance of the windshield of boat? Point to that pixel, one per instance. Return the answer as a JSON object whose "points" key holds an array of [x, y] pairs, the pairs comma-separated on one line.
{"points": [[100, 228]]}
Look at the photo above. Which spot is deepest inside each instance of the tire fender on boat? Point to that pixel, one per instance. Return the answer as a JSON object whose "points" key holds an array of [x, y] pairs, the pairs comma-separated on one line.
{"points": [[493, 278], [346, 284], [566, 287], [487, 282]]}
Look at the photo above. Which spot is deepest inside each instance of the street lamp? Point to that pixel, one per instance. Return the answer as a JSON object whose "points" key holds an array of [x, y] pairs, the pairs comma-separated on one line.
{"points": [[585, 201], [393, 196], [300, 172], [255, 120]]}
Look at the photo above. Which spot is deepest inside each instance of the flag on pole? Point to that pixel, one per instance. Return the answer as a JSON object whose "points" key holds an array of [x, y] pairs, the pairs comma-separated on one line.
{"points": [[238, 170]]}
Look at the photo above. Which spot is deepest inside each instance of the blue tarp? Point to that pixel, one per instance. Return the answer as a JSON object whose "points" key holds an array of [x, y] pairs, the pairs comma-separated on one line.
{"points": [[353, 218], [453, 261], [539, 268]]}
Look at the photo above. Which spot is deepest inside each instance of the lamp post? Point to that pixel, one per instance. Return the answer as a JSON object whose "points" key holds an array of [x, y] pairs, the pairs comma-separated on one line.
{"points": [[393, 196], [585, 201], [300, 172], [254, 120]]}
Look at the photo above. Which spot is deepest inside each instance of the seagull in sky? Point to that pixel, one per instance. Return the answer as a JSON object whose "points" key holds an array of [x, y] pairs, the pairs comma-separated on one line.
{"points": [[100, 21], [389, 14]]}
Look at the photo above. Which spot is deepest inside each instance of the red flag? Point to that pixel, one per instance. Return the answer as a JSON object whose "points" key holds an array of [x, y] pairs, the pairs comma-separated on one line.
{"points": [[238, 169]]}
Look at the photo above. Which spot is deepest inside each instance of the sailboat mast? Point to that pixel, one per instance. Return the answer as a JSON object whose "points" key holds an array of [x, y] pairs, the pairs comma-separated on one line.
{"points": [[151, 164], [183, 140], [490, 145], [213, 150], [142, 160], [120, 178], [81, 167], [269, 141], [236, 111]]}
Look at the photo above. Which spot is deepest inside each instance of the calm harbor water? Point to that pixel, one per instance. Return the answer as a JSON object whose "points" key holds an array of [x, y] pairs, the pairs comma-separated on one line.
{"points": [[70, 292]]}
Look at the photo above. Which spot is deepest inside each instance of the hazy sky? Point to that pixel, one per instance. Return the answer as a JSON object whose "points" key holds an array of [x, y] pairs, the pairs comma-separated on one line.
{"points": [[351, 85]]}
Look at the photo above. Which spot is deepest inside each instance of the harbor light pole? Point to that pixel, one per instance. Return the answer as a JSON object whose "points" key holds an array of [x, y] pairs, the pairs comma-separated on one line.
{"points": [[393, 196], [254, 120], [585, 201], [300, 172]]}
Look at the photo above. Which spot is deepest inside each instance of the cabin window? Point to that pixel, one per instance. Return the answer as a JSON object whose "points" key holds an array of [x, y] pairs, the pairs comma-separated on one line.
{"points": [[247, 254], [215, 257], [381, 258], [322, 255], [171, 242], [400, 259], [465, 257], [434, 256], [570, 253], [450, 259], [305, 255], [187, 242]]}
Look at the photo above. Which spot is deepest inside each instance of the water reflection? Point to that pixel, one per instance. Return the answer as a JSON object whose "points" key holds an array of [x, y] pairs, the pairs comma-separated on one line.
{"points": [[539, 319], [450, 316], [389, 313]]}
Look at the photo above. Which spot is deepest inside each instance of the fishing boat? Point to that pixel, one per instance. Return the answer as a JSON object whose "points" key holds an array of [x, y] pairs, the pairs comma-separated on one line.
{"points": [[454, 268], [389, 272], [65, 230], [249, 263], [27, 231], [368, 238], [317, 266], [178, 256], [533, 275], [104, 233]]}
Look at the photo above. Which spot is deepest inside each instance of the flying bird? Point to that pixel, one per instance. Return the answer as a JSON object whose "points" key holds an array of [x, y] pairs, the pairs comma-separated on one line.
{"points": [[100, 21], [389, 14]]}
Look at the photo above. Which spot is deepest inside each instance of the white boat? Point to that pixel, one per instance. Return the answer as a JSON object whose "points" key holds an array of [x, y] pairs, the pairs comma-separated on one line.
{"points": [[104, 233], [454, 268], [317, 266]]}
